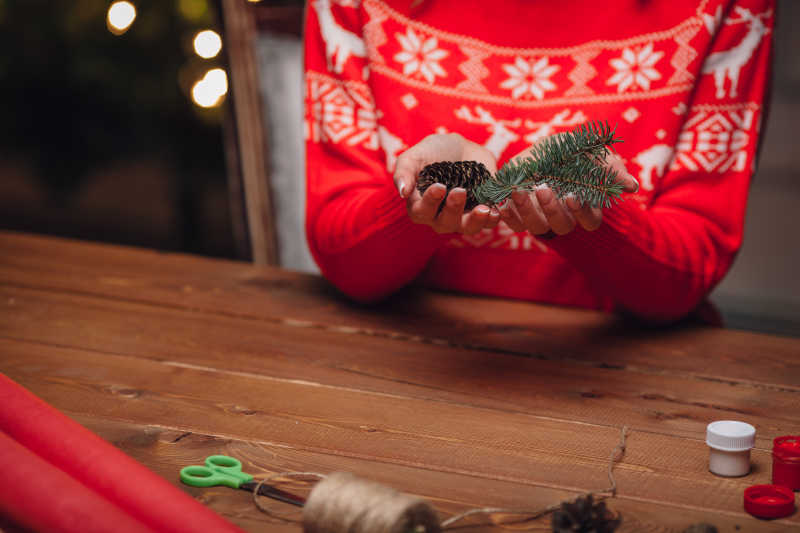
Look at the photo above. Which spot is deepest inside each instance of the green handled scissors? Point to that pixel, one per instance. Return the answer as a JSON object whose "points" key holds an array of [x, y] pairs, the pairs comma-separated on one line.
{"points": [[227, 471]]}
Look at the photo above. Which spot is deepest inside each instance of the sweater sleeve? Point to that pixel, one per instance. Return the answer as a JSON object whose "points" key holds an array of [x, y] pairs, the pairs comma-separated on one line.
{"points": [[356, 223], [660, 261]]}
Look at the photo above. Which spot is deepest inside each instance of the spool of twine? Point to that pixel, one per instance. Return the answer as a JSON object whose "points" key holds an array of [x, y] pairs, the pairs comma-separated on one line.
{"points": [[343, 502]]}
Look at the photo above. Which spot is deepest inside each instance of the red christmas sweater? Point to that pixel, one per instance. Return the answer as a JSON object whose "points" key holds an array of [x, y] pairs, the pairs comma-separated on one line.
{"points": [[684, 81]]}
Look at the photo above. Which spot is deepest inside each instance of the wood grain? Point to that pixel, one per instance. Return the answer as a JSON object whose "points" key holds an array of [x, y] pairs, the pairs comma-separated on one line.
{"points": [[240, 35], [466, 401], [711, 355], [386, 428], [166, 450], [673, 405]]}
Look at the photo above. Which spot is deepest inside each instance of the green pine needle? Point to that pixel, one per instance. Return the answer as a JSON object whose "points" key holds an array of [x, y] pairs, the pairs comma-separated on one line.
{"points": [[571, 163]]}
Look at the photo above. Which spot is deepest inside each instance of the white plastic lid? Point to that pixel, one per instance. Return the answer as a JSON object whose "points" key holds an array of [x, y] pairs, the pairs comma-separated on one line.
{"points": [[730, 435]]}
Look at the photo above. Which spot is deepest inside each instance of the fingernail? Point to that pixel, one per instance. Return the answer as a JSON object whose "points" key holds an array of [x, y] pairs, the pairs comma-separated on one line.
{"points": [[635, 181], [572, 203], [545, 195], [482, 209], [402, 190]]}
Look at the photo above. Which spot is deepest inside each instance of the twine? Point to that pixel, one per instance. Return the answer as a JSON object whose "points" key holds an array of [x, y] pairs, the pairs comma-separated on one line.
{"points": [[266, 510], [611, 491], [343, 503]]}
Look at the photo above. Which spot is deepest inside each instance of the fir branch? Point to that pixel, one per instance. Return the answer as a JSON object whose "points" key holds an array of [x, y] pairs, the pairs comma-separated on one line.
{"points": [[570, 163]]}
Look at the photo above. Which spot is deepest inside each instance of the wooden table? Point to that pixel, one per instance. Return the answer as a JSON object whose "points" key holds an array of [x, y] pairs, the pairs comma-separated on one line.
{"points": [[465, 401]]}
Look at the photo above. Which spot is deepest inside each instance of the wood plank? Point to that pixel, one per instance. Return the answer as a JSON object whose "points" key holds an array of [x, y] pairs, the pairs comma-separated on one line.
{"points": [[428, 435], [251, 135], [673, 405], [560, 334], [166, 450]]}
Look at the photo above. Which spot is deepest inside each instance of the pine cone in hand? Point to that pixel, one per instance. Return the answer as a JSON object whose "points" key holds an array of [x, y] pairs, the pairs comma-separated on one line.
{"points": [[452, 174], [584, 516]]}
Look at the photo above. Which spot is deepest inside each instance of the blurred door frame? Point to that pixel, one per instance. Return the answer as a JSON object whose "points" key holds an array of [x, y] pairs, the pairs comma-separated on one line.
{"points": [[246, 137]]}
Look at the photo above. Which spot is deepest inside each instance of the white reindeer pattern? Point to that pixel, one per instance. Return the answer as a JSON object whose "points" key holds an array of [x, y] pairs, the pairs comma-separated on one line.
{"points": [[543, 129], [727, 64], [654, 159], [340, 44], [500, 137], [392, 145]]}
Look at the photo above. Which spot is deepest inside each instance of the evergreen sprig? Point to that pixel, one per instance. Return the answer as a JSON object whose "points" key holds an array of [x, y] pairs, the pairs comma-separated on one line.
{"points": [[569, 163]]}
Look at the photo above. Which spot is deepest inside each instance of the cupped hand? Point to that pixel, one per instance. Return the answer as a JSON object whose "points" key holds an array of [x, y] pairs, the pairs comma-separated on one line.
{"points": [[540, 212], [424, 208]]}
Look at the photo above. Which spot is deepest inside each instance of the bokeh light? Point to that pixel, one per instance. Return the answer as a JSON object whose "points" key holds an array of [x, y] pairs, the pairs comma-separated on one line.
{"points": [[120, 16], [209, 91], [207, 44]]}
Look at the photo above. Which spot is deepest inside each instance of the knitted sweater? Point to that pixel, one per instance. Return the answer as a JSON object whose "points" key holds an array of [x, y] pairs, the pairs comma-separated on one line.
{"points": [[684, 81]]}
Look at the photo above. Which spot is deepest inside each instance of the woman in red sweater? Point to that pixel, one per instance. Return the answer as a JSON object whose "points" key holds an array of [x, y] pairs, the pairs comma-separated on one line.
{"points": [[391, 88]]}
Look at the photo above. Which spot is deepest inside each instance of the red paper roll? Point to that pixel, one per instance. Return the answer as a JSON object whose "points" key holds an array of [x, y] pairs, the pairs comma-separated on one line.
{"points": [[39, 496], [100, 466]]}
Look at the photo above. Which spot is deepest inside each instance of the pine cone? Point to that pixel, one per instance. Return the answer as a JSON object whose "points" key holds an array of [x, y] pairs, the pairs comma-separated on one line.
{"points": [[452, 174], [584, 516]]}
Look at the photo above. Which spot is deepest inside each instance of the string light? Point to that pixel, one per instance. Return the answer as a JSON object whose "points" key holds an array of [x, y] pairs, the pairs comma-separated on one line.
{"points": [[207, 44], [208, 92], [120, 16]]}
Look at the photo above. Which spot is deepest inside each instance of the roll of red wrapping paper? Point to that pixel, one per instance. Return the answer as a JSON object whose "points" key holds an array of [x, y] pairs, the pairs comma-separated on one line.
{"points": [[100, 466], [39, 496]]}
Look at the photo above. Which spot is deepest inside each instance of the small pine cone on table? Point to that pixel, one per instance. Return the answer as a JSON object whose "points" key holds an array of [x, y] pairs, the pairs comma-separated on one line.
{"points": [[584, 516], [465, 174]]}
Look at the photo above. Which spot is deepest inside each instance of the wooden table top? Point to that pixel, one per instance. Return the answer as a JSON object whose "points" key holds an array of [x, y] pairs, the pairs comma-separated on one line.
{"points": [[465, 401]]}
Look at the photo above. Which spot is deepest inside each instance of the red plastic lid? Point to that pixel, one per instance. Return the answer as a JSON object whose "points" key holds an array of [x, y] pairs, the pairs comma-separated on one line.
{"points": [[769, 501], [787, 447]]}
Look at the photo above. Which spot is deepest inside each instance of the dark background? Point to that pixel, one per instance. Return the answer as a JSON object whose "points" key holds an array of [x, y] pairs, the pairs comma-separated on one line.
{"points": [[100, 137]]}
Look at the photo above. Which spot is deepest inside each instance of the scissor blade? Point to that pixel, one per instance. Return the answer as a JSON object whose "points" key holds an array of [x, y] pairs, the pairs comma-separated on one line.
{"points": [[276, 494]]}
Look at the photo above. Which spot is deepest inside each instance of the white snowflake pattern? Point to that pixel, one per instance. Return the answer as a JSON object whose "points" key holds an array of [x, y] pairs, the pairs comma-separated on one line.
{"points": [[635, 68], [529, 77], [420, 56]]}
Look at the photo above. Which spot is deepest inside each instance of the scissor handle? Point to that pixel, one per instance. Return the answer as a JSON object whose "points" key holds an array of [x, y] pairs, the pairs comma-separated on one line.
{"points": [[218, 470]]}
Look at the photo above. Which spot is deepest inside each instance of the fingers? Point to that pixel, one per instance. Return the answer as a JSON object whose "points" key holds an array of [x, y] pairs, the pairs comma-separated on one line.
{"points": [[558, 217], [449, 220], [475, 220], [530, 213], [494, 218], [588, 217], [405, 174], [422, 208], [537, 213], [629, 183], [509, 215]]}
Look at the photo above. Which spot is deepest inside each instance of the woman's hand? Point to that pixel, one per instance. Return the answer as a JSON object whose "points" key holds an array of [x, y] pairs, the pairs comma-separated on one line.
{"points": [[423, 209], [540, 212]]}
